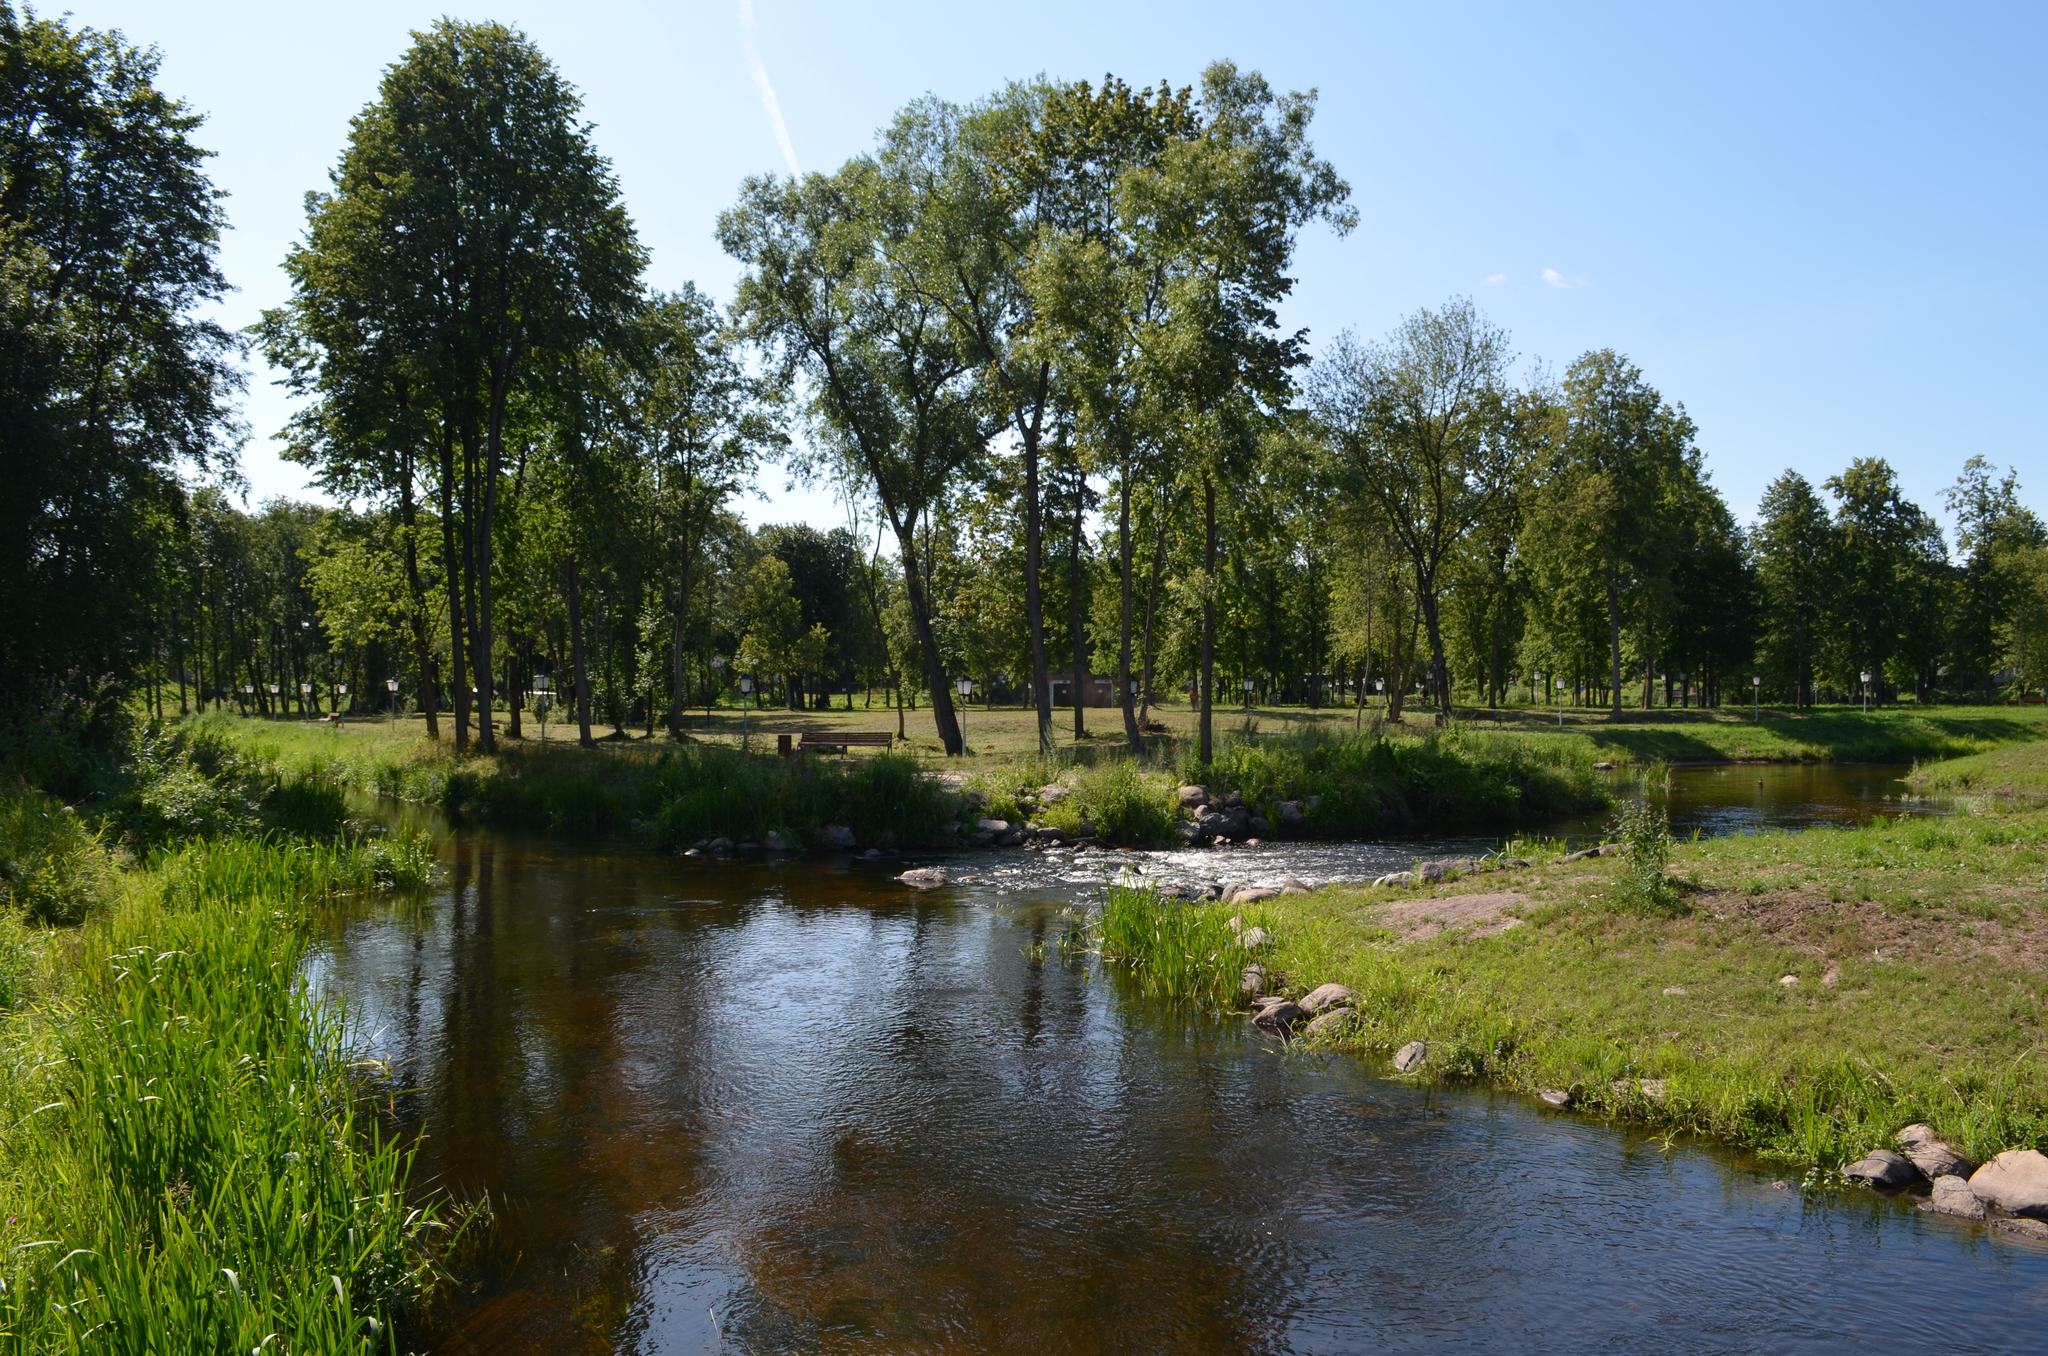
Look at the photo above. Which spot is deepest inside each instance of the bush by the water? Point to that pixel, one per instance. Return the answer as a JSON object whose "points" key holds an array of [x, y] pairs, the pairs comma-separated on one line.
{"points": [[1359, 784], [1644, 832], [1121, 803], [683, 794]]}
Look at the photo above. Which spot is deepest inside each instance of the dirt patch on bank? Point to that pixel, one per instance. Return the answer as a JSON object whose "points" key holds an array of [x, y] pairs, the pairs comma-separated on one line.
{"points": [[1809, 920], [1415, 920]]}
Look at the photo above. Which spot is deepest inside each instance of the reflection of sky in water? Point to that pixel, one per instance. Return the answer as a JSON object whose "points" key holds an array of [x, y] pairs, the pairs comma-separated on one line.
{"points": [[794, 1106]]}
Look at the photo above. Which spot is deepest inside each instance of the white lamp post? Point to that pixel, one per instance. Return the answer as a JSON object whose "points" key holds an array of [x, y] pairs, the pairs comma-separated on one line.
{"points": [[1756, 698], [746, 700], [1248, 685], [965, 687], [273, 700], [1866, 691], [1560, 702], [540, 685], [391, 686]]}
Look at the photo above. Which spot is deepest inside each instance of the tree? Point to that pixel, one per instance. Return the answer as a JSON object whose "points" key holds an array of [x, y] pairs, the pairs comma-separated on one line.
{"points": [[111, 385], [1422, 429], [1791, 545], [892, 401], [1601, 511], [1883, 553], [475, 232], [1991, 524]]}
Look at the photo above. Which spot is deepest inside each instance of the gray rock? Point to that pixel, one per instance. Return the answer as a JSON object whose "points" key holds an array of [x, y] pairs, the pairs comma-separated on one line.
{"points": [[1054, 793], [1605, 849], [2016, 1182], [992, 825], [2021, 1228], [1085, 829], [1411, 1056], [1952, 1196], [1327, 996], [1252, 894], [1396, 878], [1291, 817], [1331, 1022], [871, 854], [1253, 939], [1931, 1154], [1882, 1168], [924, 877], [1190, 832], [1446, 867], [982, 838], [1556, 1097], [1253, 981], [1293, 886], [1279, 1018], [719, 847], [837, 838], [1233, 801], [1675, 991], [1259, 827], [1267, 1000], [1514, 863], [1192, 797], [1009, 839]]}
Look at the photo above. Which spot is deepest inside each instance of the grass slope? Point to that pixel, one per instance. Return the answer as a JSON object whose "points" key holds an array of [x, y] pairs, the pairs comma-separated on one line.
{"points": [[1919, 949]]}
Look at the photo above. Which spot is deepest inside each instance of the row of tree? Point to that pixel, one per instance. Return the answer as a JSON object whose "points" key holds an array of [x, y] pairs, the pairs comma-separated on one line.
{"points": [[1033, 343]]}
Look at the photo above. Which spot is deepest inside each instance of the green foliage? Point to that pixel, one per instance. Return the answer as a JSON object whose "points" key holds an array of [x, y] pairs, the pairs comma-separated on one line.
{"points": [[1124, 804], [196, 1170], [1363, 784], [53, 868], [1644, 832], [1173, 949]]}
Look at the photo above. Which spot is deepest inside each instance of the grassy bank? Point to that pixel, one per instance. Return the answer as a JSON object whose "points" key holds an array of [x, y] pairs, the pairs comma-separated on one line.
{"points": [[1915, 947], [2017, 773], [187, 1161]]}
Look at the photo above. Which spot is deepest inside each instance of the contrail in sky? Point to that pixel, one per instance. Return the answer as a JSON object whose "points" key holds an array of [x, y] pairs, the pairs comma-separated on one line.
{"points": [[761, 83]]}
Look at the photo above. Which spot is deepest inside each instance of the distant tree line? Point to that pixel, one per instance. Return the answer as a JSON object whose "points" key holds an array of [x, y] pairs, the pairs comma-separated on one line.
{"points": [[1031, 342]]}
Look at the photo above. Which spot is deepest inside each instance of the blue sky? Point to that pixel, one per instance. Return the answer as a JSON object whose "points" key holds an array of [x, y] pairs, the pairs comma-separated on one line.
{"points": [[1820, 227]]}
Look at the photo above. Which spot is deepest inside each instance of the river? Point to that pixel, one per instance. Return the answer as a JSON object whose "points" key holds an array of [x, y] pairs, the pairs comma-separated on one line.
{"points": [[791, 1106]]}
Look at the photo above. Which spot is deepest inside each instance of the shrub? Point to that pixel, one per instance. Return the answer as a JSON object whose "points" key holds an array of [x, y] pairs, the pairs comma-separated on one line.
{"points": [[53, 869], [1644, 832], [1122, 804]]}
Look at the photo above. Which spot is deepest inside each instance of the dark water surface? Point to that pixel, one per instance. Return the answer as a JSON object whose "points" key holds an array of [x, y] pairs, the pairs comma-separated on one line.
{"points": [[791, 1106]]}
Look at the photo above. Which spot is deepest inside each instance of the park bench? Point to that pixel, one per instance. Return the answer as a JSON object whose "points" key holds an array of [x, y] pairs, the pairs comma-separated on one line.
{"points": [[845, 741]]}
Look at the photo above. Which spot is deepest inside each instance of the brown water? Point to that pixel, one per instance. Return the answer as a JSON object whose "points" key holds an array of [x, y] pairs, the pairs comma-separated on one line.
{"points": [[791, 1106]]}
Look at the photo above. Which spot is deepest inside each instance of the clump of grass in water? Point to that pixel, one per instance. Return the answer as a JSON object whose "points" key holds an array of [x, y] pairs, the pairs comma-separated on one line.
{"points": [[1122, 803], [1172, 948], [192, 1168], [1644, 886]]}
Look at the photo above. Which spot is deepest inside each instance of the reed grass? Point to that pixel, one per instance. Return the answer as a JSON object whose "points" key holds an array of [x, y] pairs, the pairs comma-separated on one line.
{"points": [[1172, 949]]}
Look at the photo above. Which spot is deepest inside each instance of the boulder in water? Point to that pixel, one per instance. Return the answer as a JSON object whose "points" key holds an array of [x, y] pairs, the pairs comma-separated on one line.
{"points": [[1952, 1196], [2016, 1182], [924, 877], [1279, 1018], [1253, 982], [1931, 1154], [1330, 1023], [1882, 1168], [1411, 1056], [1327, 996]]}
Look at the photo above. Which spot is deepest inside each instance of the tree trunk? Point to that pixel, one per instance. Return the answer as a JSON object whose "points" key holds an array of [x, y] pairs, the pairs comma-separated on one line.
{"points": [[582, 676], [430, 687], [681, 614], [927, 643], [486, 681], [1439, 671], [1151, 612], [1125, 697], [1614, 641], [1076, 612], [1206, 678], [1034, 593], [453, 573]]}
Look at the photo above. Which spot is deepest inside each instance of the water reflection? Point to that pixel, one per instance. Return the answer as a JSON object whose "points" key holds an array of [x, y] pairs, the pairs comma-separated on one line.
{"points": [[798, 1108]]}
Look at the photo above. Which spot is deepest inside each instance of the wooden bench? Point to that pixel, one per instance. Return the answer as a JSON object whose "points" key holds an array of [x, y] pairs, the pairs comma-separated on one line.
{"points": [[845, 741]]}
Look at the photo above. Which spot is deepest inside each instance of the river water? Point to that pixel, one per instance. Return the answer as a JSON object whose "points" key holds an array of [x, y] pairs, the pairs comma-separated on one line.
{"points": [[792, 1106]]}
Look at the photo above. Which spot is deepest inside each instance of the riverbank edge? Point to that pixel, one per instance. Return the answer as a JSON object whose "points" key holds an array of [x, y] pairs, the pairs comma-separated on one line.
{"points": [[1789, 1092]]}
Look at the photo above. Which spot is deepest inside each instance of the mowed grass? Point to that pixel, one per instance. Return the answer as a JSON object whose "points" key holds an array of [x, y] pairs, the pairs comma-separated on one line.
{"points": [[1919, 949], [2018, 772]]}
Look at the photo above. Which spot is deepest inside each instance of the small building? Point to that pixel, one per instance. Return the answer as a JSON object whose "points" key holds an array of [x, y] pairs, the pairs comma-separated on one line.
{"points": [[1096, 690]]}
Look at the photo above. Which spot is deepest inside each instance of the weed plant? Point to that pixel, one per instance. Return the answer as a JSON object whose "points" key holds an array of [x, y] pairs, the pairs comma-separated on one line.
{"points": [[1121, 803], [1644, 886]]}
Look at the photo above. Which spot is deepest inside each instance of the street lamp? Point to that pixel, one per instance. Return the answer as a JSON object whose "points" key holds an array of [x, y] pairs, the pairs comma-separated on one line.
{"points": [[1560, 701], [1866, 691], [391, 686], [746, 700], [717, 670], [305, 697], [965, 687], [273, 700], [340, 691], [540, 685], [1756, 698], [1248, 685]]}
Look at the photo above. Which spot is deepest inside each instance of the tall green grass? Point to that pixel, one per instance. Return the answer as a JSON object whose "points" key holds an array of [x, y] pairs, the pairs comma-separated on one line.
{"points": [[186, 1163], [682, 794], [1367, 783], [1172, 949]]}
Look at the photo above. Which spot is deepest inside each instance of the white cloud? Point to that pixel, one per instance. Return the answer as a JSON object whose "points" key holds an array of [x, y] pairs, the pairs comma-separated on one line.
{"points": [[1556, 279], [767, 90], [1496, 280]]}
